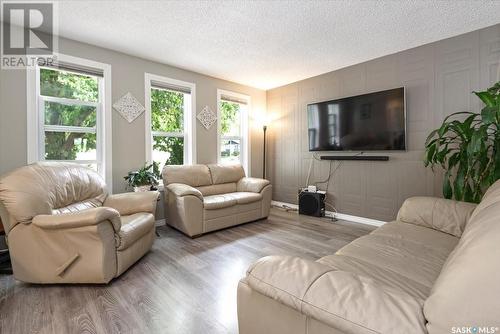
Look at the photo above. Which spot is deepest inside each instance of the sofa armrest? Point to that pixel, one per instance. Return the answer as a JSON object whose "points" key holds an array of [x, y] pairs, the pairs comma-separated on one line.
{"points": [[441, 214], [343, 300], [180, 190], [82, 218], [251, 184], [130, 203]]}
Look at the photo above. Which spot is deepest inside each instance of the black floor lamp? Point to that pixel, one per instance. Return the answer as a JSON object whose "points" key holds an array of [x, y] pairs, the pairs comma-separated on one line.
{"points": [[264, 157]]}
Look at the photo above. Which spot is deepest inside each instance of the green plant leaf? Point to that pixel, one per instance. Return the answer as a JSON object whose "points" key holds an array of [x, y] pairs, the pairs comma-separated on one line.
{"points": [[447, 190], [430, 153], [475, 143], [458, 185], [453, 160], [487, 98], [489, 115], [430, 136], [468, 193], [468, 148]]}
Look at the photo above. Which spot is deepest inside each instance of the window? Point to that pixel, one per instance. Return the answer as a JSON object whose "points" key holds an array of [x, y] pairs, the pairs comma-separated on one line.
{"points": [[233, 140], [67, 114], [169, 121]]}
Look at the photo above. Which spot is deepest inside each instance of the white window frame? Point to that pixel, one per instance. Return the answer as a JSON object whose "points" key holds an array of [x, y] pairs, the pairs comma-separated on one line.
{"points": [[103, 130], [244, 127], [189, 118]]}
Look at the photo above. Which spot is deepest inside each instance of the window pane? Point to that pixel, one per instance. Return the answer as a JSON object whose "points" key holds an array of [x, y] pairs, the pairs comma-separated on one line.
{"points": [[230, 150], [70, 146], [168, 150], [167, 110], [230, 118], [68, 85], [60, 114]]}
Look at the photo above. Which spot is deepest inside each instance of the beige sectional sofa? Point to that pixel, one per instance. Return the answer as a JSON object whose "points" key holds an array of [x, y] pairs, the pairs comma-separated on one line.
{"points": [[62, 226], [205, 198], [436, 269]]}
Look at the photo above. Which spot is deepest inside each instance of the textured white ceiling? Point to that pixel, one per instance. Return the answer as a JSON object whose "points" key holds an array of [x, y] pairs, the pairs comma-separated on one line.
{"points": [[266, 44]]}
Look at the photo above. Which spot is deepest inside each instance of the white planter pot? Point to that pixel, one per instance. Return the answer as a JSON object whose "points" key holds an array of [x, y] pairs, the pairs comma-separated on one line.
{"points": [[142, 188]]}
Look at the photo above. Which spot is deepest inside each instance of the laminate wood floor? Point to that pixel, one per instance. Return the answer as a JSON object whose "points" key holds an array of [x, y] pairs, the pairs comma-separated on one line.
{"points": [[182, 286]]}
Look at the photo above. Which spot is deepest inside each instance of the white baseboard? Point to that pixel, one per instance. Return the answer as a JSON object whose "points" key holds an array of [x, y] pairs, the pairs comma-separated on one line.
{"points": [[160, 222], [338, 215]]}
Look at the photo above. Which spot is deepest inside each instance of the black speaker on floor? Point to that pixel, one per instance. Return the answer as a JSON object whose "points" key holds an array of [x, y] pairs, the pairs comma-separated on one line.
{"points": [[311, 203], [5, 265]]}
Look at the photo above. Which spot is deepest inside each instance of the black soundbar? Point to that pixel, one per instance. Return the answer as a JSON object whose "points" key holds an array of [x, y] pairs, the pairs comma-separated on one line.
{"points": [[356, 157]]}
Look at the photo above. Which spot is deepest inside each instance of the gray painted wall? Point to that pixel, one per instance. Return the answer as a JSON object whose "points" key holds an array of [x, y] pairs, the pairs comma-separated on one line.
{"points": [[439, 79], [128, 139]]}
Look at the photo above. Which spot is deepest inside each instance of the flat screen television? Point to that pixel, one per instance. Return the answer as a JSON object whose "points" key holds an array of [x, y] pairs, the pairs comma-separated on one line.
{"points": [[368, 122]]}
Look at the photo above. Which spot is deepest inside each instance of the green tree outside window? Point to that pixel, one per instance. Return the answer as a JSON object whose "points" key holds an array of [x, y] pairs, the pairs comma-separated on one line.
{"points": [[67, 145], [167, 116]]}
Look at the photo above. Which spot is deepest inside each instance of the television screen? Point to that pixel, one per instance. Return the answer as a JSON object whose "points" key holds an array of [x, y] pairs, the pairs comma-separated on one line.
{"points": [[368, 122]]}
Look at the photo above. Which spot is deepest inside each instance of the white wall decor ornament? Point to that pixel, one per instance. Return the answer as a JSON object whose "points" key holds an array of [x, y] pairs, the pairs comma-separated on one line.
{"points": [[128, 107], [207, 117]]}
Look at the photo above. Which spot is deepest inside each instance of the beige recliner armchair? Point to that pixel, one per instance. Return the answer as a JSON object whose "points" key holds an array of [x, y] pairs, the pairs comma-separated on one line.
{"points": [[63, 227], [204, 198]]}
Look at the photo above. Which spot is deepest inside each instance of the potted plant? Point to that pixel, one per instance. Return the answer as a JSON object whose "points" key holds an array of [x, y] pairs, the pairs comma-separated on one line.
{"points": [[144, 179], [469, 149]]}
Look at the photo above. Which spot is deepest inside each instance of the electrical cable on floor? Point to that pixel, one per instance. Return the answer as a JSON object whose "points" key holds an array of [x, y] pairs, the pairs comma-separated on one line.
{"points": [[334, 219], [327, 180], [284, 207]]}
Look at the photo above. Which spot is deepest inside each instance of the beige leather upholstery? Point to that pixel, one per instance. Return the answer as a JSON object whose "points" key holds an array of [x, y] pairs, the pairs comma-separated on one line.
{"points": [[433, 269], [440, 214], [204, 198], [226, 173], [467, 292], [192, 175], [63, 227]]}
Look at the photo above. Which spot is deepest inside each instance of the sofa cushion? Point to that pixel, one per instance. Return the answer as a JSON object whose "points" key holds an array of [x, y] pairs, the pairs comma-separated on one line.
{"points": [[467, 290], [193, 175], [437, 213], [399, 255], [133, 228], [75, 207], [226, 173], [246, 197], [216, 189], [345, 301], [215, 202]]}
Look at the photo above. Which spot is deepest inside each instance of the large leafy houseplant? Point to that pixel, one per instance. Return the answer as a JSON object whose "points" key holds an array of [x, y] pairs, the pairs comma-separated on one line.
{"points": [[468, 149], [145, 178]]}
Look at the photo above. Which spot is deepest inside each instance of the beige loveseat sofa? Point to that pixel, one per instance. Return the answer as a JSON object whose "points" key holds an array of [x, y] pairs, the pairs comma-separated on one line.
{"points": [[435, 270], [204, 198], [63, 227]]}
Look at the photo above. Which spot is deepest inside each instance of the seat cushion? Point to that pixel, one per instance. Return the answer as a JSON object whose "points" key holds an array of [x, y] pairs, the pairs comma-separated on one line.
{"points": [[134, 227], [221, 201], [346, 301], [403, 256], [246, 197], [216, 189]]}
